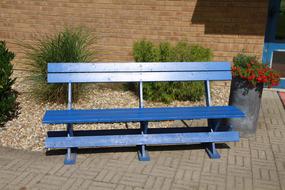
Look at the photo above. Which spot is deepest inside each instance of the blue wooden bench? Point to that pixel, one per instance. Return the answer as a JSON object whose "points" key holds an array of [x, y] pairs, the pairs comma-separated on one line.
{"points": [[139, 72]]}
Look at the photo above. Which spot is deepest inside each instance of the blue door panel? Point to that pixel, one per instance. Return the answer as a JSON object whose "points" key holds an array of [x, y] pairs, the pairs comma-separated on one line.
{"points": [[270, 43]]}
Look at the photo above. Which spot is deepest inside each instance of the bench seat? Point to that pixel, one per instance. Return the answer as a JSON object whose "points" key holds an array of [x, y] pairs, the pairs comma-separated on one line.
{"points": [[140, 114]]}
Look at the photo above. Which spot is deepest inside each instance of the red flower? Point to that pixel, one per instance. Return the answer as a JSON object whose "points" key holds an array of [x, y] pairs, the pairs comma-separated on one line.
{"points": [[253, 71]]}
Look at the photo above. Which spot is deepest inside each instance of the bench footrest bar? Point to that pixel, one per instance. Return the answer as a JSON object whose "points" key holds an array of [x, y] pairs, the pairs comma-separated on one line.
{"points": [[141, 139]]}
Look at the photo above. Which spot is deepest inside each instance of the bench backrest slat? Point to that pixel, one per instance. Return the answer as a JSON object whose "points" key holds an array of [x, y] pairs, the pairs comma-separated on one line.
{"points": [[135, 72]]}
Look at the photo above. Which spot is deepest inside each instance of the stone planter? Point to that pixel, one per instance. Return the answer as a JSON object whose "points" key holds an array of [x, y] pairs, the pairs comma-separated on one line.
{"points": [[248, 100]]}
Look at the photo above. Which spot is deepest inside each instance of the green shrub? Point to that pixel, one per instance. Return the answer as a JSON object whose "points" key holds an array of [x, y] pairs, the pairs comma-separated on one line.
{"points": [[69, 45], [183, 52], [146, 51], [8, 104], [166, 52]]}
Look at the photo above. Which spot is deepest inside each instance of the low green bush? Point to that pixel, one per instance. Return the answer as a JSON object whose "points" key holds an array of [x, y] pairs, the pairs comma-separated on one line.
{"points": [[8, 104], [146, 51], [69, 45], [184, 52]]}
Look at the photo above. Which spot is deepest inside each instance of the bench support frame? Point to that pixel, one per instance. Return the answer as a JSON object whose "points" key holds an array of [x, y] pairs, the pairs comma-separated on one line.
{"points": [[70, 157], [212, 124], [212, 151], [142, 152], [143, 155]]}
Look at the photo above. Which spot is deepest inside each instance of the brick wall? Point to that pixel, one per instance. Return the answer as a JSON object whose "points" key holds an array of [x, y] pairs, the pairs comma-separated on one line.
{"points": [[225, 26]]}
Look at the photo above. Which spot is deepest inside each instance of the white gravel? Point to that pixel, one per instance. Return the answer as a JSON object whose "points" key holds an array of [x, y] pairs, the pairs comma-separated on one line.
{"points": [[27, 132]]}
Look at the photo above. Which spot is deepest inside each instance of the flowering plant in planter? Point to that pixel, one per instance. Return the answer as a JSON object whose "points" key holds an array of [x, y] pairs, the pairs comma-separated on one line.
{"points": [[249, 68], [249, 78]]}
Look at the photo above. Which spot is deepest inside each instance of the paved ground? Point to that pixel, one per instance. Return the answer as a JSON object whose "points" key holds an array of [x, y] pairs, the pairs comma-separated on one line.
{"points": [[255, 163], [282, 97]]}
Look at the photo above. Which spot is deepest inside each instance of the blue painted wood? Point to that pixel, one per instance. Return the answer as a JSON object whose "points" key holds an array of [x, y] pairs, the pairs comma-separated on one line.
{"points": [[138, 114], [138, 76], [140, 139], [137, 67], [131, 131], [137, 72]]}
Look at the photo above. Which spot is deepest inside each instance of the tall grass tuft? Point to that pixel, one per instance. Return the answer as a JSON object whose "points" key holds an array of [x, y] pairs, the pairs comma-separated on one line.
{"points": [[69, 45]]}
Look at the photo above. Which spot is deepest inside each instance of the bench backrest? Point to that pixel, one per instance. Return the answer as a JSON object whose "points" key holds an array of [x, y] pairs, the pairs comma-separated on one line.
{"points": [[138, 72]]}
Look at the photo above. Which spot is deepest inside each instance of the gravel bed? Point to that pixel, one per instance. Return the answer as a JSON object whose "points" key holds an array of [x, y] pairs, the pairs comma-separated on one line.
{"points": [[27, 132]]}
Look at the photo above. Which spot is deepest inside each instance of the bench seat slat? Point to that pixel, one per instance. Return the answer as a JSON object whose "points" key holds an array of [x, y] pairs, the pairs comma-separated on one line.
{"points": [[139, 139], [137, 67], [137, 114], [138, 76]]}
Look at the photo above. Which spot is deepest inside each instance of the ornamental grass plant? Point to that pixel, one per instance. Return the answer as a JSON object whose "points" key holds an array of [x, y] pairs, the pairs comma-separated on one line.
{"points": [[70, 45]]}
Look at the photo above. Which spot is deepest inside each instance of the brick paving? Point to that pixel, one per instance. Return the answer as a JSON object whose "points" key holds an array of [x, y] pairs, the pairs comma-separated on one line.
{"points": [[282, 97], [254, 163]]}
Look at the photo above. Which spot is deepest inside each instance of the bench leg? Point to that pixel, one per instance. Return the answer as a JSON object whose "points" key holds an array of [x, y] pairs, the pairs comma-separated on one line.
{"points": [[211, 147], [70, 157], [142, 152], [212, 151]]}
